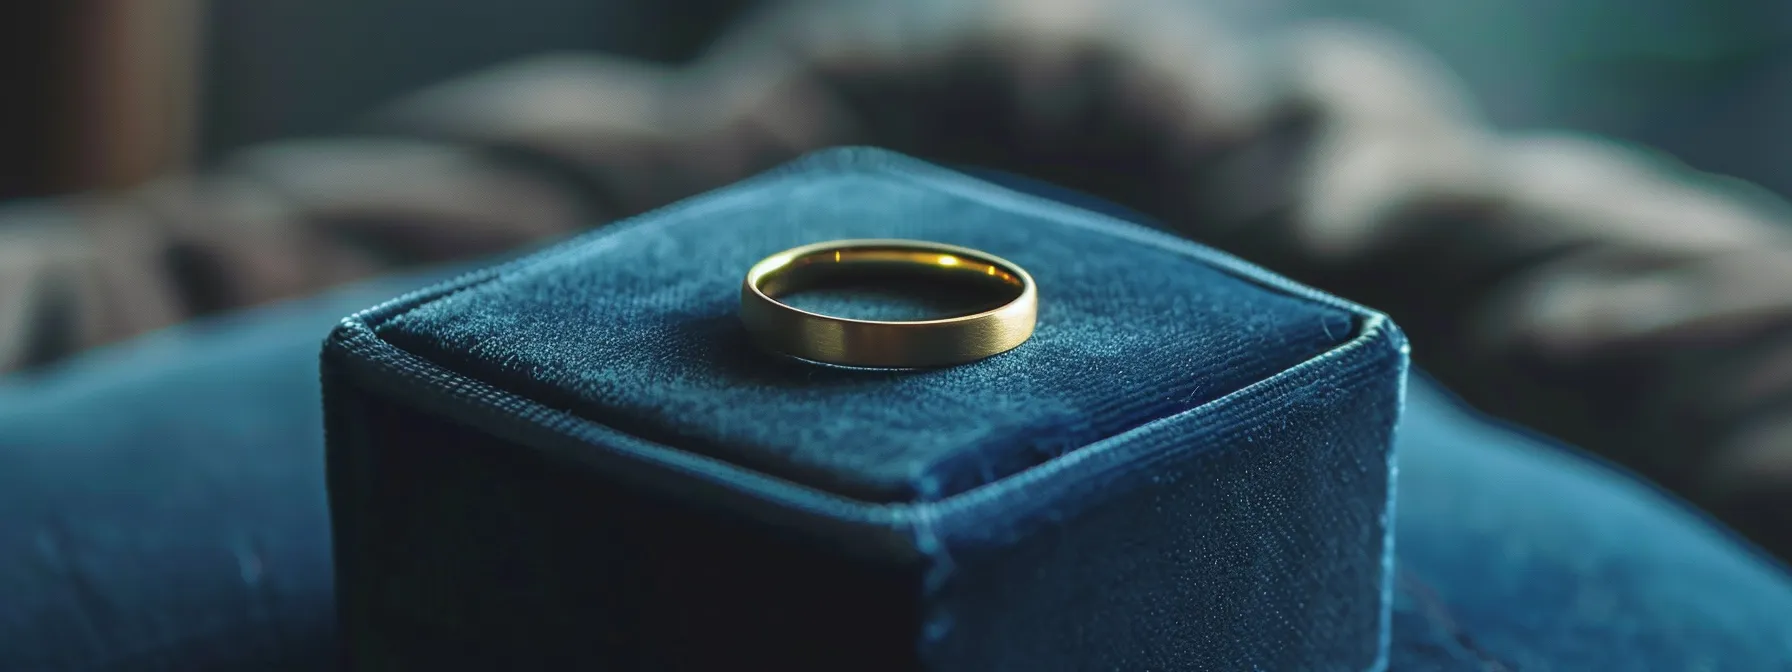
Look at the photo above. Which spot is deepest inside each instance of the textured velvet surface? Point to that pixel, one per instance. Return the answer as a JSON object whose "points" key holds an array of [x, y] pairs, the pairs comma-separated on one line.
{"points": [[162, 502], [1514, 553], [1520, 555], [1511, 549], [1184, 433], [638, 330]]}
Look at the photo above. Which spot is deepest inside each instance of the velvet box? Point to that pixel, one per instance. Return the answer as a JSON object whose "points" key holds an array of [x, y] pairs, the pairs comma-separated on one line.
{"points": [[577, 460]]}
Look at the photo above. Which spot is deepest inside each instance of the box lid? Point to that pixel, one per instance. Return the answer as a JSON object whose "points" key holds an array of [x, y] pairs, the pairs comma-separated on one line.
{"points": [[635, 327]]}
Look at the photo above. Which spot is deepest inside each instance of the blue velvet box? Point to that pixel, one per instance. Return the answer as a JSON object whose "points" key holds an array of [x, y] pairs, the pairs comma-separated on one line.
{"points": [[578, 460]]}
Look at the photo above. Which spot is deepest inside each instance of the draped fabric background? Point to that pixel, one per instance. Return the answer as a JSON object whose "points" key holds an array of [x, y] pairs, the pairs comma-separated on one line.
{"points": [[1703, 80], [280, 68]]}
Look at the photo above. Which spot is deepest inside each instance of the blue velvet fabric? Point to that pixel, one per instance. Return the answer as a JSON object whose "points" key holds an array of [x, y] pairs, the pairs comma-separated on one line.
{"points": [[1514, 553], [162, 502], [636, 328], [1517, 554], [1183, 434]]}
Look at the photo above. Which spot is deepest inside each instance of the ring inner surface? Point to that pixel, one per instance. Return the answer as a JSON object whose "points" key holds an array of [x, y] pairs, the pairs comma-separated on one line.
{"points": [[953, 284]]}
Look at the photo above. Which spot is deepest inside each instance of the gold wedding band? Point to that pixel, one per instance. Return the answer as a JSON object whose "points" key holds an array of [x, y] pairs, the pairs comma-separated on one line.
{"points": [[924, 343]]}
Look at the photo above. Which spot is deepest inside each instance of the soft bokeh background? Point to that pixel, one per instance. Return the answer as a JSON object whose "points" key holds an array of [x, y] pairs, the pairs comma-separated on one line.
{"points": [[206, 439], [106, 92]]}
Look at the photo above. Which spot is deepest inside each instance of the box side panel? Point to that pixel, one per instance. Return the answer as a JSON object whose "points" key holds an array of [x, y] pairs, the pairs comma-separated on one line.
{"points": [[458, 550], [1249, 534]]}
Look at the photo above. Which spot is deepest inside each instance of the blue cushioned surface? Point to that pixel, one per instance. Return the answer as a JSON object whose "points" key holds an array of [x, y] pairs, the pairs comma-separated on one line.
{"points": [[1518, 554], [164, 510], [1128, 333], [162, 502], [1514, 554]]}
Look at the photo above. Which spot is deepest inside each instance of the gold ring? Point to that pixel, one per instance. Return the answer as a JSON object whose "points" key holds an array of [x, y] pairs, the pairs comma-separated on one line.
{"points": [[869, 343]]}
